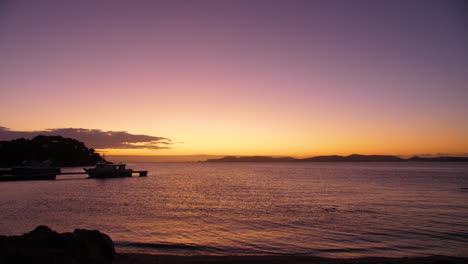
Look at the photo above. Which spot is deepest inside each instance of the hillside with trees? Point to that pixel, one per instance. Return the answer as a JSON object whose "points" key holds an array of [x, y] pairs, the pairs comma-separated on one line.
{"points": [[59, 151]]}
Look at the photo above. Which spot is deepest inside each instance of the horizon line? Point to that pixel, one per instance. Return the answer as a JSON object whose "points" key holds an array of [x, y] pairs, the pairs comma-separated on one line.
{"points": [[205, 157], [276, 156]]}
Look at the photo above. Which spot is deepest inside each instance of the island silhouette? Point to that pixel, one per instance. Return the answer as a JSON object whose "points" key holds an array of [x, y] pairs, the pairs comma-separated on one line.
{"points": [[335, 158]]}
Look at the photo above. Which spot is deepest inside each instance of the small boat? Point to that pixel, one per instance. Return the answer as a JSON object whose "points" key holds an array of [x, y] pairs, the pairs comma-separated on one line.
{"points": [[109, 170]]}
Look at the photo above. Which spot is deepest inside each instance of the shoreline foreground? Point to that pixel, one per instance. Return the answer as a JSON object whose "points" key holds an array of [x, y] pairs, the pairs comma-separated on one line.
{"points": [[141, 258], [43, 245]]}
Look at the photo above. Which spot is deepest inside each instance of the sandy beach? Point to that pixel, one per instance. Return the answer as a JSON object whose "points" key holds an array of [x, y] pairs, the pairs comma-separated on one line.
{"points": [[138, 258]]}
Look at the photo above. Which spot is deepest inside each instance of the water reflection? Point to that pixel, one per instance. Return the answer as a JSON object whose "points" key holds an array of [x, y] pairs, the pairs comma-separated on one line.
{"points": [[333, 209]]}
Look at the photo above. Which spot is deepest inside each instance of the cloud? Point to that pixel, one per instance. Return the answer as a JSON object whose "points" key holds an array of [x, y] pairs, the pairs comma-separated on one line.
{"points": [[95, 138]]}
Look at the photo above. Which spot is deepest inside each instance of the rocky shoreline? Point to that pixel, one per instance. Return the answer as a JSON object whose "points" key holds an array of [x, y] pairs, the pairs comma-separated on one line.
{"points": [[43, 245]]}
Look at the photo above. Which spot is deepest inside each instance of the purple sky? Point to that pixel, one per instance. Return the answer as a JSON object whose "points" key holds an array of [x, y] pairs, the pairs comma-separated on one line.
{"points": [[242, 77]]}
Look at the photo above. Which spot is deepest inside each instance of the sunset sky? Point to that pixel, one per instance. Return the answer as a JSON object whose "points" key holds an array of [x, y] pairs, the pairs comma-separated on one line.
{"points": [[296, 78]]}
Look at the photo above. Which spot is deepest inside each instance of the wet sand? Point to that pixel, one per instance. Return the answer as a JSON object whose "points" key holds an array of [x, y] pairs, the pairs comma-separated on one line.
{"points": [[138, 258]]}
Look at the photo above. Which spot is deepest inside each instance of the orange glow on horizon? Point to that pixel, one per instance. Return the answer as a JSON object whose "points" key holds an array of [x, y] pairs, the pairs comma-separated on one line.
{"points": [[244, 83]]}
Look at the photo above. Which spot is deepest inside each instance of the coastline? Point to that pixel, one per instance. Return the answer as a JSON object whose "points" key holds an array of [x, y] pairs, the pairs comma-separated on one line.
{"points": [[43, 245], [144, 258]]}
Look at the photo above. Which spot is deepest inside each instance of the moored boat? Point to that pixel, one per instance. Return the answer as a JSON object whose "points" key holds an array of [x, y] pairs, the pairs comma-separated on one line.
{"points": [[108, 170]]}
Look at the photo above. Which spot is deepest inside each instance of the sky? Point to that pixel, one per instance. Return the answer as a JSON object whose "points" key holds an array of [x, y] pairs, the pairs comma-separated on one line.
{"points": [[292, 78]]}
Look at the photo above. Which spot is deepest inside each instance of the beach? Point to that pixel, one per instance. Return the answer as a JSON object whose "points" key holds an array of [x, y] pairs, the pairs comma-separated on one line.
{"points": [[136, 258], [43, 245]]}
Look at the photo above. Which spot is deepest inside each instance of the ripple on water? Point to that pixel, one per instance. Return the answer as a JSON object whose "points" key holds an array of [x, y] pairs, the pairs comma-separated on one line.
{"points": [[332, 209]]}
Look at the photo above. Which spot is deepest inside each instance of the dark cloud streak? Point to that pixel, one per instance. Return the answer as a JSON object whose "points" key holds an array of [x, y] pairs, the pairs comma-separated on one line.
{"points": [[95, 138]]}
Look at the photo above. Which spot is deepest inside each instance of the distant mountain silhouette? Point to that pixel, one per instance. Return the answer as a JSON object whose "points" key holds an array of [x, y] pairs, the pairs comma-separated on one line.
{"points": [[439, 159], [354, 157], [334, 158], [60, 151]]}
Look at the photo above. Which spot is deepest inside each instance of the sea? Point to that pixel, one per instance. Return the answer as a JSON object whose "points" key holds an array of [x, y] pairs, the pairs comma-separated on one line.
{"points": [[340, 210]]}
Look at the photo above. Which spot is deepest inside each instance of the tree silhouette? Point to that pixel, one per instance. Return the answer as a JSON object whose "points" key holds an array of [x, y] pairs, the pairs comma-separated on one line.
{"points": [[59, 150]]}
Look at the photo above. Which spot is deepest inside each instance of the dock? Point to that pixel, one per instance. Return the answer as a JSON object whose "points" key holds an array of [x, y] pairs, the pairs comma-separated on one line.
{"points": [[48, 174], [140, 173]]}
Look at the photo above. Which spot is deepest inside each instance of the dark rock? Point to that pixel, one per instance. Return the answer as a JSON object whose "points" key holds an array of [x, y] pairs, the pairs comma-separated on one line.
{"points": [[43, 245]]}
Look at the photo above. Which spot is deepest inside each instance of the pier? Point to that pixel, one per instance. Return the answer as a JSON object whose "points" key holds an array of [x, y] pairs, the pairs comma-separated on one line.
{"points": [[140, 173], [34, 174]]}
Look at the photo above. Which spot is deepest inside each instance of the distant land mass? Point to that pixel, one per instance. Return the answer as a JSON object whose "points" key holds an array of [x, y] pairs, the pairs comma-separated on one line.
{"points": [[334, 158], [56, 150], [439, 159]]}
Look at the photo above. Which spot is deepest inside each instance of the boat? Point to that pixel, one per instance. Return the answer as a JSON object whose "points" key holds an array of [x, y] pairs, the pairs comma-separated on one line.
{"points": [[109, 170]]}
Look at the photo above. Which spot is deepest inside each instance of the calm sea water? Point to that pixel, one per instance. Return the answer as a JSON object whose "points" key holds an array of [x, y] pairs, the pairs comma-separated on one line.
{"points": [[324, 209]]}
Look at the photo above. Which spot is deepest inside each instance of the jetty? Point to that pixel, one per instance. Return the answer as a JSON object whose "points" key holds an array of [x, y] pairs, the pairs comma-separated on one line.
{"points": [[140, 173], [50, 173]]}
